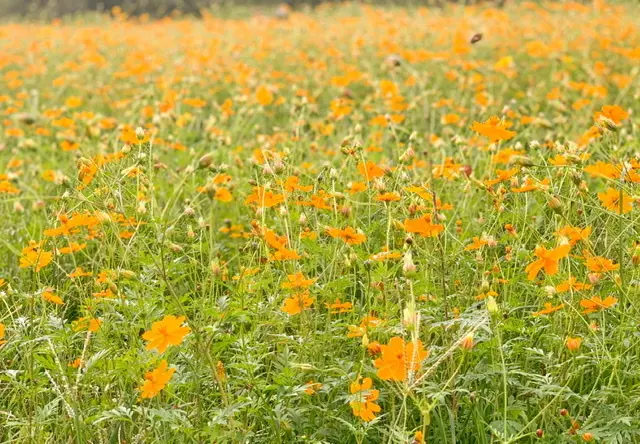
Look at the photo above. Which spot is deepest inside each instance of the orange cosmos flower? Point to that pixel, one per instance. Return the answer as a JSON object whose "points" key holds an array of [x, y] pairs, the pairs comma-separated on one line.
{"points": [[591, 134], [356, 331], [349, 235], [264, 198], [502, 176], [293, 184], [227, 107], [311, 387], [388, 197], [168, 331], [603, 169], [339, 307], [73, 102], [548, 260], [597, 304], [67, 145], [614, 114], [103, 294], [272, 238], [574, 234], [356, 187], [2, 332], [450, 119], [79, 272], [129, 135], [573, 344], [421, 191], [156, 380], [476, 244], [48, 295], [599, 264], [398, 359], [8, 188], [448, 170], [531, 184], [506, 156], [370, 170], [223, 194], [72, 248], [571, 284], [548, 309], [297, 303], [284, 254], [423, 226], [264, 96], [90, 324], [126, 234], [33, 256], [616, 201], [385, 255], [308, 234], [364, 406], [493, 129], [195, 102], [297, 280]]}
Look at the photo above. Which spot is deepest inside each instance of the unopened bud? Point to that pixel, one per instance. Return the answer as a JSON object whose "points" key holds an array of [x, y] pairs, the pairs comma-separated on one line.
{"points": [[408, 266], [205, 161], [467, 342], [555, 204], [215, 268], [127, 274], [492, 306]]}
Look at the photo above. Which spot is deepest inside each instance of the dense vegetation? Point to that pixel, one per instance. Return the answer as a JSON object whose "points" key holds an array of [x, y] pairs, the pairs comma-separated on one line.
{"points": [[351, 225]]}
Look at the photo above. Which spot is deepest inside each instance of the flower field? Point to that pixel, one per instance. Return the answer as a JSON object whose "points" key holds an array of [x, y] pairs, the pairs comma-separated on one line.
{"points": [[343, 225]]}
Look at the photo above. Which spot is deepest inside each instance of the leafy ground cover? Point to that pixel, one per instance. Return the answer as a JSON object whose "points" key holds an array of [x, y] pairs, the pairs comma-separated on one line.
{"points": [[353, 225]]}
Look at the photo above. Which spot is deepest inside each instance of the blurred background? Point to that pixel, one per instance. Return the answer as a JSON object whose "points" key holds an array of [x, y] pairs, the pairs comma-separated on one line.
{"points": [[64, 7], [159, 8]]}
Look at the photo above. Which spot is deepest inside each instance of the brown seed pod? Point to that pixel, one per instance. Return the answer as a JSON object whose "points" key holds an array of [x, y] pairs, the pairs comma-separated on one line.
{"points": [[476, 38]]}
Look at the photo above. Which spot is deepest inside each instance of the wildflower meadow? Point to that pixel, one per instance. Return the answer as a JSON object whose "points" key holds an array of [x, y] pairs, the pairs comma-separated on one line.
{"points": [[347, 224]]}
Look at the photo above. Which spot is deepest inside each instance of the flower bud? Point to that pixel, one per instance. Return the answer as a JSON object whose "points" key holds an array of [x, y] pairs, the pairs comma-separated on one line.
{"points": [[573, 344], [408, 266], [215, 267], [467, 342], [555, 204], [492, 306], [205, 161], [127, 274]]}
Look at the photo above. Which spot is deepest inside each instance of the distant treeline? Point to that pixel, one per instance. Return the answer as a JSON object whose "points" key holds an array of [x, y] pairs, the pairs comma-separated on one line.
{"points": [[159, 8]]}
